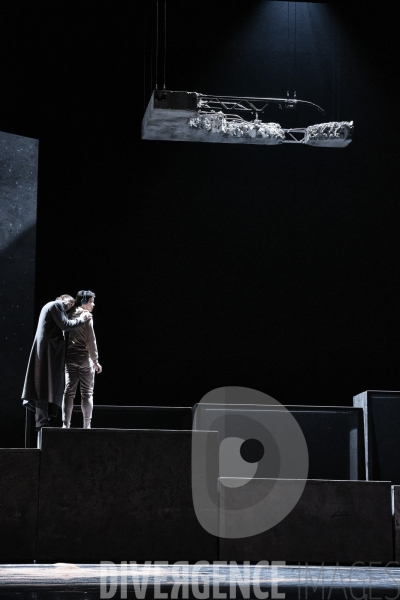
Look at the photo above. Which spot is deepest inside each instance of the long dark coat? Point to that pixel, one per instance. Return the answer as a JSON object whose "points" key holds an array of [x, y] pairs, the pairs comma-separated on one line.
{"points": [[45, 373]]}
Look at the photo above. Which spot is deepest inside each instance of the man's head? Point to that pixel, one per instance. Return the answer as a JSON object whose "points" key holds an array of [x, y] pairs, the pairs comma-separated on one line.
{"points": [[67, 300], [85, 299]]}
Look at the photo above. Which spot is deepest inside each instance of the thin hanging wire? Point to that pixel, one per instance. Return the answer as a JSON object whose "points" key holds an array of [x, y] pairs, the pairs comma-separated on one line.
{"points": [[144, 60], [333, 75], [295, 62], [288, 44], [295, 49], [165, 39], [338, 81], [151, 48], [157, 50]]}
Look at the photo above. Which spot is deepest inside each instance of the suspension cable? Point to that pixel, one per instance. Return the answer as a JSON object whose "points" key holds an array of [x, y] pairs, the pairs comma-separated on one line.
{"points": [[295, 47], [157, 49], [144, 59], [338, 81], [288, 45], [333, 73], [165, 38], [151, 47]]}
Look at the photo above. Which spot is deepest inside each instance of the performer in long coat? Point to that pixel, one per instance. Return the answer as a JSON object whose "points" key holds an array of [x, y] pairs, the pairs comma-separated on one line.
{"points": [[44, 381]]}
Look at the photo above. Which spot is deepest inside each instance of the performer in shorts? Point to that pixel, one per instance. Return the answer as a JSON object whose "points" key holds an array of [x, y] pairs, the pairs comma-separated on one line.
{"points": [[82, 362]]}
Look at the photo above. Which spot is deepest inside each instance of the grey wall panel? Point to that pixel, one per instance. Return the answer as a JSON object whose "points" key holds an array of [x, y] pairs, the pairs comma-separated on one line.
{"points": [[113, 494], [382, 433], [334, 521], [396, 520], [18, 202], [19, 490], [334, 434]]}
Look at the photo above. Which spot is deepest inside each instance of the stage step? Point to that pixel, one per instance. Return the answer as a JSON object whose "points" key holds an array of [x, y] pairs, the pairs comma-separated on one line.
{"points": [[334, 434], [382, 434], [115, 494], [108, 416], [334, 521], [136, 417], [19, 489]]}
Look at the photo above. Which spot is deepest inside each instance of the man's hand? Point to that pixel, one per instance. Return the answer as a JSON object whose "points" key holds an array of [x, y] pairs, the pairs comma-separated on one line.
{"points": [[85, 316], [98, 368]]}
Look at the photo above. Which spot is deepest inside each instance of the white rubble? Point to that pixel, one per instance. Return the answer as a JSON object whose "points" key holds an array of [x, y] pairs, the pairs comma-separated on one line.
{"points": [[330, 134], [218, 123], [334, 134]]}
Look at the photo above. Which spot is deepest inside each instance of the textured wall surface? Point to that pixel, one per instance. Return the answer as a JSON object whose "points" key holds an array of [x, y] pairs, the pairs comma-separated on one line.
{"points": [[334, 521], [109, 494], [334, 435], [18, 201], [19, 489], [382, 433], [396, 520]]}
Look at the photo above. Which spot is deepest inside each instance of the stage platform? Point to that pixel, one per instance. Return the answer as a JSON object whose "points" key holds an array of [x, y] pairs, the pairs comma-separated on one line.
{"points": [[381, 411], [120, 494], [95, 494], [107, 416], [95, 581], [334, 434]]}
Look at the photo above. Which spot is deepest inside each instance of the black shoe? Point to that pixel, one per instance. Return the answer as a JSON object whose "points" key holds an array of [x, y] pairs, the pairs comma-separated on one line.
{"points": [[39, 427]]}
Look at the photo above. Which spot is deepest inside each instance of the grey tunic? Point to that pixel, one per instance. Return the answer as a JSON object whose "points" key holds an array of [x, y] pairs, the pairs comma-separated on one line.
{"points": [[45, 373], [82, 342]]}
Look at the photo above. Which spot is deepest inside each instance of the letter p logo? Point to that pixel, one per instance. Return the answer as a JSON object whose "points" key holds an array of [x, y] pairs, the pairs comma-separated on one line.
{"points": [[258, 438]]}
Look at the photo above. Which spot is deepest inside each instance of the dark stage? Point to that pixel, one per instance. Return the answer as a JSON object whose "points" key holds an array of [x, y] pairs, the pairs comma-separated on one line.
{"points": [[214, 265], [273, 268]]}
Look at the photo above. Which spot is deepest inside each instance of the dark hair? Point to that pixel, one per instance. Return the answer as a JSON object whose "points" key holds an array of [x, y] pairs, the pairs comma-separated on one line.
{"points": [[65, 297], [84, 296]]}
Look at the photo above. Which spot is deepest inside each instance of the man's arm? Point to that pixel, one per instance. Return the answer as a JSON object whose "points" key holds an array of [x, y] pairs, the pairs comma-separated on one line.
{"points": [[91, 345], [60, 318]]}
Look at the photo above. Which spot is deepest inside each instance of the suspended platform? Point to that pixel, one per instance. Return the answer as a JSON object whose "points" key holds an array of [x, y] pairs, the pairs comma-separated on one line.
{"points": [[194, 117]]}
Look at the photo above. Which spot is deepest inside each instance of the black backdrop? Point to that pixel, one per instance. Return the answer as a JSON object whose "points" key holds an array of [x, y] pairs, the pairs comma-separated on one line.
{"points": [[213, 265]]}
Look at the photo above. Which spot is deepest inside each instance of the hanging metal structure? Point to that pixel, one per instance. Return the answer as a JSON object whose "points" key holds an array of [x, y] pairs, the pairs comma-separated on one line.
{"points": [[194, 117]]}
